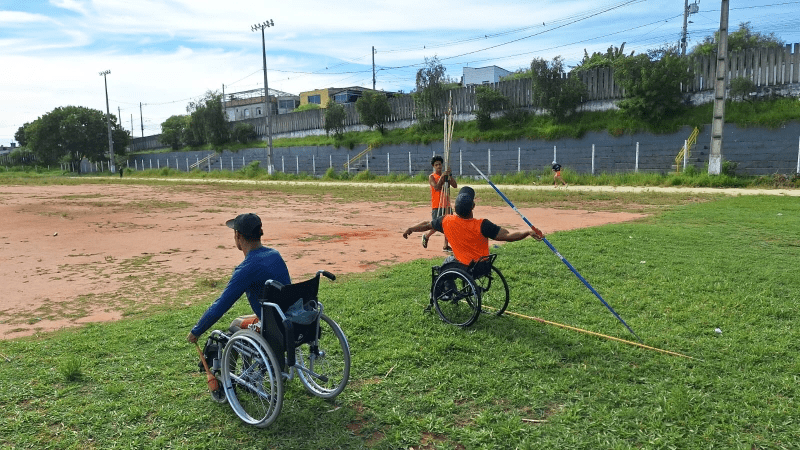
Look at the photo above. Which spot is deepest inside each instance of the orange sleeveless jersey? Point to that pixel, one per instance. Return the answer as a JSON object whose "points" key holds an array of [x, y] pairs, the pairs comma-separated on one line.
{"points": [[436, 195], [464, 236]]}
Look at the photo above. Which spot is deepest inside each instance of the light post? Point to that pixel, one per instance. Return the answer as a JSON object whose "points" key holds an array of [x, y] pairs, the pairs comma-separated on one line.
{"points": [[108, 123], [267, 106]]}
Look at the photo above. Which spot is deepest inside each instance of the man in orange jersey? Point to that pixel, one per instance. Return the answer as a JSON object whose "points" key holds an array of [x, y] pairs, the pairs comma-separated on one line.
{"points": [[440, 203], [469, 236]]}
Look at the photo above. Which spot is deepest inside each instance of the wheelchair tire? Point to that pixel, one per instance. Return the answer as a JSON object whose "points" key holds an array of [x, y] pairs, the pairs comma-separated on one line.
{"points": [[456, 297], [494, 292], [252, 378], [328, 355]]}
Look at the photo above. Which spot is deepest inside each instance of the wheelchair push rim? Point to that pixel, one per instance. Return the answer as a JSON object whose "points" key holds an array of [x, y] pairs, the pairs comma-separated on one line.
{"points": [[252, 379], [456, 297]]}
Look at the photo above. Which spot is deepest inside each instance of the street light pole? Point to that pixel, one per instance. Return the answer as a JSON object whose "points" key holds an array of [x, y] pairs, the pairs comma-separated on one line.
{"points": [[108, 123], [267, 105]]}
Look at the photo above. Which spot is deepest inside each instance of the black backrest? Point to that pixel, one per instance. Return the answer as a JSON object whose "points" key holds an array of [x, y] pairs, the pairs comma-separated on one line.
{"points": [[482, 267], [272, 326]]}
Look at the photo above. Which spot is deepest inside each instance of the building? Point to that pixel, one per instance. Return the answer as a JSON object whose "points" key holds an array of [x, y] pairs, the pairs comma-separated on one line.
{"points": [[483, 75], [250, 104], [342, 96], [6, 150]]}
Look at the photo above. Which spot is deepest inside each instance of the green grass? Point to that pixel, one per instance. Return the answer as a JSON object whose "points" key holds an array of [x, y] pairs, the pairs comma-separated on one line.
{"points": [[726, 262]]}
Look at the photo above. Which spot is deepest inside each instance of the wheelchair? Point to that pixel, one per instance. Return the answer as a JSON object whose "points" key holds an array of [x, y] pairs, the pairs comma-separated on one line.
{"points": [[295, 337], [461, 293]]}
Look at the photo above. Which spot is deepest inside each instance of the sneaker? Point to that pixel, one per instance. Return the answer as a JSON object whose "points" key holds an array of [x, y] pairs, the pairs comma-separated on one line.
{"points": [[424, 241]]}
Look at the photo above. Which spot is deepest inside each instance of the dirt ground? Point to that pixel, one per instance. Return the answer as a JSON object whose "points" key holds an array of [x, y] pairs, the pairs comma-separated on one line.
{"points": [[70, 255]]}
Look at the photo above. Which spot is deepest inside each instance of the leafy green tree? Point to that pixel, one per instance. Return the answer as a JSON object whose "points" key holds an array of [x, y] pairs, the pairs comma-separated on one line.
{"points": [[334, 119], [19, 136], [600, 60], [559, 95], [208, 123], [652, 83], [488, 101], [741, 39], [244, 132], [72, 133], [306, 107], [172, 131], [373, 110], [741, 87], [430, 90]]}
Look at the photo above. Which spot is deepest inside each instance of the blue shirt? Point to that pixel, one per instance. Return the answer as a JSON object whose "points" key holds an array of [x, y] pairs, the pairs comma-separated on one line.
{"points": [[259, 265]]}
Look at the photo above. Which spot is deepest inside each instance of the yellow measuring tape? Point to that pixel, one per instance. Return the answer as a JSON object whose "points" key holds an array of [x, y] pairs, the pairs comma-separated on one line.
{"points": [[561, 325]]}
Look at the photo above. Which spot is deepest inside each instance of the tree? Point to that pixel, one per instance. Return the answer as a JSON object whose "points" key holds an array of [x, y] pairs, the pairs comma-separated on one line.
{"points": [[488, 101], [601, 60], [742, 39], [172, 131], [552, 91], [208, 122], [652, 83], [73, 133], [19, 136], [244, 132], [429, 91], [373, 110], [334, 119]]}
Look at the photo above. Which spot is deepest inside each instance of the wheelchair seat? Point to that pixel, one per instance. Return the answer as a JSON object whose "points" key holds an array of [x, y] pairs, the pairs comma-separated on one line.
{"points": [[290, 315]]}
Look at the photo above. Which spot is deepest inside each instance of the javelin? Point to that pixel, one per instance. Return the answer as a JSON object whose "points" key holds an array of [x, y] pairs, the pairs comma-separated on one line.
{"points": [[586, 283]]}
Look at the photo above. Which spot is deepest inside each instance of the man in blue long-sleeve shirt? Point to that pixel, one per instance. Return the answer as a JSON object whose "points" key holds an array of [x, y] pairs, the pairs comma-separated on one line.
{"points": [[260, 264]]}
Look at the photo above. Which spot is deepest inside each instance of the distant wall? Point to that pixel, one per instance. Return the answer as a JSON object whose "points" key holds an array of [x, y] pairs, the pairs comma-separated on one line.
{"points": [[758, 151]]}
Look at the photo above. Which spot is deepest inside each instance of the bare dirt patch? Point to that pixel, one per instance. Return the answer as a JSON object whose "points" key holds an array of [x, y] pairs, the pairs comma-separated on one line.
{"points": [[87, 253]]}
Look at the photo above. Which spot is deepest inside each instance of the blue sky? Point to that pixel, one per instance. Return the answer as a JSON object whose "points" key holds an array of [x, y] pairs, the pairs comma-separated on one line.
{"points": [[165, 53]]}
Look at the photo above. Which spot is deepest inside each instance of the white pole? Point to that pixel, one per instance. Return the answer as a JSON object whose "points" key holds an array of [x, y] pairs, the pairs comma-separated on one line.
{"points": [[158, 163], [387, 163], [231, 163], [409, 163], [367, 158], [554, 154], [636, 168], [489, 170], [167, 161], [798, 156], [197, 159], [460, 166], [314, 165], [592, 159], [685, 151], [297, 164], [177, 167], [283, 165], [330, 160], [348, 163], [519, 156], [187, 164], [242, 162]]}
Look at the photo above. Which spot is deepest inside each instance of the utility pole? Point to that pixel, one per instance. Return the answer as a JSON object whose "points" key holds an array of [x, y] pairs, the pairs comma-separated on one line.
{"points": [[718, 120], [267, 106], [373, 66], [141, 119], [108, 122], [687, 10]]}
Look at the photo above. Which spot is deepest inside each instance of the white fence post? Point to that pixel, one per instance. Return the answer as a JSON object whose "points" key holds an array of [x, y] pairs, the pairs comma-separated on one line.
{"points": [[388, 170], [554, 154], [297, 164], [330, 160], [798, 156], [592, 159], [460, 164], [409, 163], [348, 163], [636, 169], [685, 151], [489, 161], [314, 165], [283, 165], [519, 158], [367, 158], [158, 163]]}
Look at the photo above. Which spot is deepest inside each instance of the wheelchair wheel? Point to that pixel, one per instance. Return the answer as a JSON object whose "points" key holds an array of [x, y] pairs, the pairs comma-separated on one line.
{"points": [[252, 378], [494, 292], [329, 356], [456, 297]]}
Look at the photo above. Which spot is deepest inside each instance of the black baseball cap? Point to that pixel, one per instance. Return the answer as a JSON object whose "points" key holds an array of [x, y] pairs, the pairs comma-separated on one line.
{"points": [[248, 225], [466, 196]]}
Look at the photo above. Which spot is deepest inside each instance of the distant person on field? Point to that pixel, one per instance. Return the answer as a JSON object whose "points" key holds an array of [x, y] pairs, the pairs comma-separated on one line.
{"points": [[440, 203], [260, 264], [557, 175]]}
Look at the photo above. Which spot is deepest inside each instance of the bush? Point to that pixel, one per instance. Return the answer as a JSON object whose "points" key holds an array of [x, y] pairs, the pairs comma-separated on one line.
{"points": [[244, 132], [741, 88]]}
